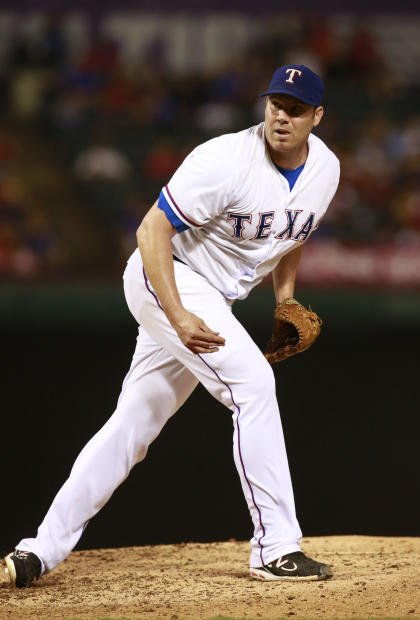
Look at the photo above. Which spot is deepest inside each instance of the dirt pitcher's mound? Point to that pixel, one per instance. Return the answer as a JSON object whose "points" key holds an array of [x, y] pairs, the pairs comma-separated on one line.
{"points": [[374, 577]]}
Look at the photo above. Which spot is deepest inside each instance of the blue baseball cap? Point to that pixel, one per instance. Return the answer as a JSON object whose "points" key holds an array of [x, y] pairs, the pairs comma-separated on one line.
{"points": [[298, 81]]}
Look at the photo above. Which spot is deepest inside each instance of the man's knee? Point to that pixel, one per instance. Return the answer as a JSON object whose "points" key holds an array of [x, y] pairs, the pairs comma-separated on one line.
{"points": [[263, 384], [257, 384]]}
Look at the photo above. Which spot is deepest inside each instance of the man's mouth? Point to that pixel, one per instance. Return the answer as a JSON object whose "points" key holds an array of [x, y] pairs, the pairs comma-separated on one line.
{"points": [[282, 132]]}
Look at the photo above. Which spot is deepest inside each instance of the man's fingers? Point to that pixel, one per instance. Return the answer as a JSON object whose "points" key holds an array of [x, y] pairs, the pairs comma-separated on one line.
{"points": [[206, 342], [198, 349], [203, 343], [197, 337], [210, 336]]}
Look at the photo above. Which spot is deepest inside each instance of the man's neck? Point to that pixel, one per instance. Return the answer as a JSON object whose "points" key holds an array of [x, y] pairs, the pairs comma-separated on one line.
{"points": [[291, 160]]}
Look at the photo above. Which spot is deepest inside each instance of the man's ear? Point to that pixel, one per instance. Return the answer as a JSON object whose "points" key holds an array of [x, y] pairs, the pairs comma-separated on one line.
{"points": [[318, 114]]}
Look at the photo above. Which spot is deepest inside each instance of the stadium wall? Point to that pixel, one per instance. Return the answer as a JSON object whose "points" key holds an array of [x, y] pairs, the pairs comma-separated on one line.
{"points": [[349, 407]]}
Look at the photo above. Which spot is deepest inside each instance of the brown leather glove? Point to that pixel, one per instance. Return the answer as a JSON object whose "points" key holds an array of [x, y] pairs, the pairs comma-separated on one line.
{"points": [[295, 329]]}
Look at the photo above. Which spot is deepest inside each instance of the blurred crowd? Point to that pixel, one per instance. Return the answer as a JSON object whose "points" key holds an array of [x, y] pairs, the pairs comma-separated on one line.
{"points": [[29, 242], [118, 130]]}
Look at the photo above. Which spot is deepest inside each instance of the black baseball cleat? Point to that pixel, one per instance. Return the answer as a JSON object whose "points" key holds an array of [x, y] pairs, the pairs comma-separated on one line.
{"points": [[22, 567], [294, 566]]}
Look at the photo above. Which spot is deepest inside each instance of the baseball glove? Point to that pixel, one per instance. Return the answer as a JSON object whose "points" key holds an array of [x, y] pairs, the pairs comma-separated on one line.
{"points": [[295, 329]]}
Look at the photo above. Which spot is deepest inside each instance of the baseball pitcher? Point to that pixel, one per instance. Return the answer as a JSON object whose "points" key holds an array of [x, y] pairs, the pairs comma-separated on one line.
{"points": [[239, 207]]}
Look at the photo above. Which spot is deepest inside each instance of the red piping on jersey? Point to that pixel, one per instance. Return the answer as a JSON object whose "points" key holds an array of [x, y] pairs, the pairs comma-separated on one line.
{"points": [[183, 215]]}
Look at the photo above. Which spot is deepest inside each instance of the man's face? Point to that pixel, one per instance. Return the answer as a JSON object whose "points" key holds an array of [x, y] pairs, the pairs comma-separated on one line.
{"points": [[288, 123]]}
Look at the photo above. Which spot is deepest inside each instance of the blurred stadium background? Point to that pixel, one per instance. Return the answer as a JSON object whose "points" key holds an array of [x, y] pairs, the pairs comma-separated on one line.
{"points": [[99, 105], [98, 110]]}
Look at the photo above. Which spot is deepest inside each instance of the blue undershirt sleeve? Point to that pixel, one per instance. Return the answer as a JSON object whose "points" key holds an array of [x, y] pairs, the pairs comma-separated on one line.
{"points": [[174, 219]]}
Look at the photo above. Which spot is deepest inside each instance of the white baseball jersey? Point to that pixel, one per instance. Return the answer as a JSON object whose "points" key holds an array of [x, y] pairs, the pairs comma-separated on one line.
{"points": [[240, 214]]}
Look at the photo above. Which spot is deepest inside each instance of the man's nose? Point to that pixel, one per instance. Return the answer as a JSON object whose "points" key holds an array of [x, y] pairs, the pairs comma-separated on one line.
{"points": [[282, 116]]}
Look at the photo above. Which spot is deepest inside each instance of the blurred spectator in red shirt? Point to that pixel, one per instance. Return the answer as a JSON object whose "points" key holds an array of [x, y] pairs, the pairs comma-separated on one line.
{"points": [[162, 160]]}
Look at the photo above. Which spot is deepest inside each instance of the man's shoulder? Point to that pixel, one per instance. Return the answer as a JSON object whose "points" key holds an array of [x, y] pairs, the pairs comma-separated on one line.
{"points": [[235, 149], [322, 153]]}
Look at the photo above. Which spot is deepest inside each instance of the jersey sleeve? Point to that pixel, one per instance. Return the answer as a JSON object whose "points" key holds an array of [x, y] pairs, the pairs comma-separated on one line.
{"points": [[334, 181], [331, 189], [170, 214], [201, 187]]}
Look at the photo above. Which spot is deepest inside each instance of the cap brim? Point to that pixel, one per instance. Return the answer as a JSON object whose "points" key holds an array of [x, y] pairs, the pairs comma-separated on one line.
{"points": [[284, 91]]}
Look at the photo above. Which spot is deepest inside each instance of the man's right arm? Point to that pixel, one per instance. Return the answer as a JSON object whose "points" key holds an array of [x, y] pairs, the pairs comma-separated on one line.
{"points": [[154, 241]]}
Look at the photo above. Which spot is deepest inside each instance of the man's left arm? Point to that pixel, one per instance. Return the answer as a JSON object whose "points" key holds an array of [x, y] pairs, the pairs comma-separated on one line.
{"points": [[295, 327], [284, 275]]}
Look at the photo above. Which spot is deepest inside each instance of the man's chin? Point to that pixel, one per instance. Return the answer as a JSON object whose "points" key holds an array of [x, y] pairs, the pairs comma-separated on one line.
{"points": [[282, 146]]}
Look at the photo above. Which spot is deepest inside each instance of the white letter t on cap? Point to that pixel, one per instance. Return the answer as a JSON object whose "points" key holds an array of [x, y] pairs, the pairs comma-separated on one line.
{"points": [[292, 75]]}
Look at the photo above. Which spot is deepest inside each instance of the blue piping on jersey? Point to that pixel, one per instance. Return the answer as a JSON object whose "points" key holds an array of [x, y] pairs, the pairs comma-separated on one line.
{"points": [[240, 455], [146, 281]]}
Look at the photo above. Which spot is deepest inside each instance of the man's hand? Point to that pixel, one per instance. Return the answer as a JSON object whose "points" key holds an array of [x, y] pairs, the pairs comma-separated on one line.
{"points": [[195, 334]]}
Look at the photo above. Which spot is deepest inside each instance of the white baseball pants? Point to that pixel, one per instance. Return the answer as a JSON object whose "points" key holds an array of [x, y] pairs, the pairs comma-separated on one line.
{"points": [[162, 375]]}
